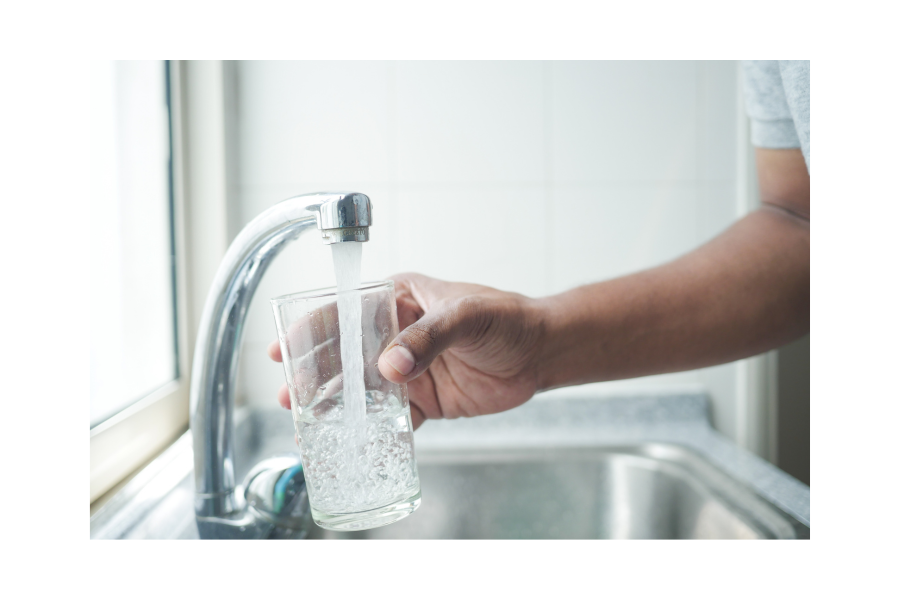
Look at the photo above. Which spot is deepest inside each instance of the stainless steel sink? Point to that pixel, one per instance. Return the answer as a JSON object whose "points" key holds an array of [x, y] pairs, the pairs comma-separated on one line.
{"points": [[647, 490], [652, 491]]}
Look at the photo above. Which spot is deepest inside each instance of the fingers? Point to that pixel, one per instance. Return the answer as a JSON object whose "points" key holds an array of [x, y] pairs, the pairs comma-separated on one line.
{"points": [[284, 397], [333, 386], [275, 351], [320, 362], [302, 331], [322, 358], [445, 324], [318, 368], [417, 416]]}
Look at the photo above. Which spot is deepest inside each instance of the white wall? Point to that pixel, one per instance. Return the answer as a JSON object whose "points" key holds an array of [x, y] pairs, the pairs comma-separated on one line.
{"points": [[478, 170]]}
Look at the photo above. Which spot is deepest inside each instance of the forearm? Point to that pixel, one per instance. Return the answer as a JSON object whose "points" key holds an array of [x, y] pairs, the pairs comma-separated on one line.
{"points": [[745, 292]]}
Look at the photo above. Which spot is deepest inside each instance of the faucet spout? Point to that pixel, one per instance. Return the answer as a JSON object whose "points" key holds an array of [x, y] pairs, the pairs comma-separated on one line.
{"points": [[341, 217]]}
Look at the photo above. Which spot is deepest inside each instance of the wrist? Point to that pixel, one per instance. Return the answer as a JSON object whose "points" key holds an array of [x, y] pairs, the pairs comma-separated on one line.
{"points": [[555, 318]]}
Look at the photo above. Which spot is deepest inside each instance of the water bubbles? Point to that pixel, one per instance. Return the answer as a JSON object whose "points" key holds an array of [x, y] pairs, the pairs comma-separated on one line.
{"points": [[381, 468]]}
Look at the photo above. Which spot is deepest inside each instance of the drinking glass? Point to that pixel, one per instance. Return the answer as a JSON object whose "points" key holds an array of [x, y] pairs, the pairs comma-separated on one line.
{"points": [[359, 473]]}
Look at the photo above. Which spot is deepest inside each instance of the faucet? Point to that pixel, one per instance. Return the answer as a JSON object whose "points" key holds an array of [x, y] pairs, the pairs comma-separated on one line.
{"points": [[271, 501]]}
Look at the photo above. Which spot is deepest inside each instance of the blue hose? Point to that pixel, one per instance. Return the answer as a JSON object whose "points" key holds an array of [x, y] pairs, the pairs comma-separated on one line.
{"points": [[282, 484]]}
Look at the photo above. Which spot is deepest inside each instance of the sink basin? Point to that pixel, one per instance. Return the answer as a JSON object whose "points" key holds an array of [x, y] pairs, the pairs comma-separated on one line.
{"points": [[646, 490], [651, 491]]}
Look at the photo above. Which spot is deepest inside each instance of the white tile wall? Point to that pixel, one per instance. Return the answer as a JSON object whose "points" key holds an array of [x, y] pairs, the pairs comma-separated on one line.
{"points": [[717, 130], [604, 230], [482, 235], [526, 176], [716, 203], [312, 121], [624, 121], [469, 122]]}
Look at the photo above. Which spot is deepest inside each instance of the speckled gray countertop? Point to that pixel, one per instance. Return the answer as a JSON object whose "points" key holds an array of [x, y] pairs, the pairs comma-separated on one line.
{"points": [[677, 419]]}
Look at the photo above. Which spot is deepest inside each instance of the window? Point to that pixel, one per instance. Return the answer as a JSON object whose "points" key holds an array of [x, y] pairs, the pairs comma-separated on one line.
{"points": [[159, 231], [138, 347], [133, 345]]}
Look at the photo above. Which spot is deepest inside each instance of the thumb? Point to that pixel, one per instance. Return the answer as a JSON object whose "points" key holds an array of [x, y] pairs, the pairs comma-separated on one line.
{"points": [[444, 326]]}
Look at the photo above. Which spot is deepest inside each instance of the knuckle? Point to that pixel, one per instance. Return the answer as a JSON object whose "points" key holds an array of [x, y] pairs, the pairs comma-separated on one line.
{"points": [[421, 335], [471, 306], [474, 313]]}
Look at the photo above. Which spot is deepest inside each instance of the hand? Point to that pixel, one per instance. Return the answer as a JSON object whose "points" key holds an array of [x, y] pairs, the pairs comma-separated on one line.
{"points": [[464, 349]]}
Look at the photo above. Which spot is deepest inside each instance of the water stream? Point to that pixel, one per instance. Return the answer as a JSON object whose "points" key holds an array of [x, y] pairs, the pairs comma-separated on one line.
{"points": [[347, 257]]}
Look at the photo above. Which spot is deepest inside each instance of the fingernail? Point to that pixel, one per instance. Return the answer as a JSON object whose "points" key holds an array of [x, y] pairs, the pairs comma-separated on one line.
{"points": [[401, 359]]}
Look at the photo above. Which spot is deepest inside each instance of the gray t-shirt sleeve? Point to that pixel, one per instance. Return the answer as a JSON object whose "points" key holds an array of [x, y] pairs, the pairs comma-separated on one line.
{"points": [[776, 93]]}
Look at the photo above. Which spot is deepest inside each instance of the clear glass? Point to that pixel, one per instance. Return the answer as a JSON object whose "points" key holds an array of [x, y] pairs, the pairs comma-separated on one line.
{"points": [[355, 480], [133, 348]]}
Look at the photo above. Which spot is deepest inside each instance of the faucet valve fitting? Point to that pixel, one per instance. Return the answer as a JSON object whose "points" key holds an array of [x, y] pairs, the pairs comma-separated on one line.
{"points": [[343, 217]]}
